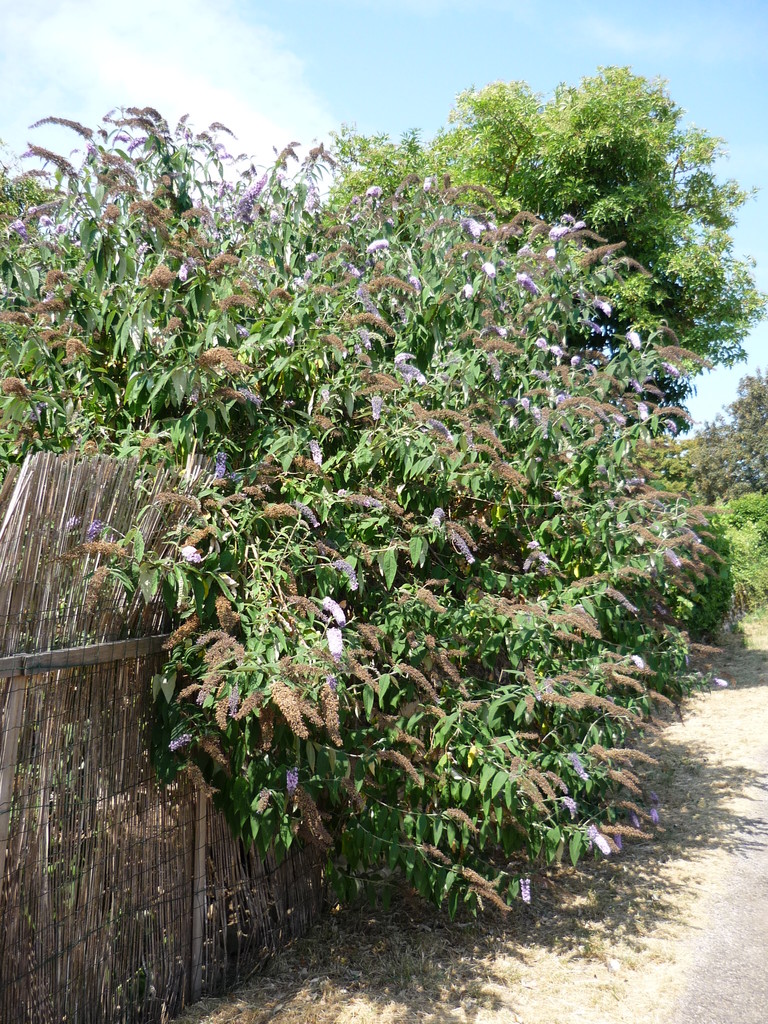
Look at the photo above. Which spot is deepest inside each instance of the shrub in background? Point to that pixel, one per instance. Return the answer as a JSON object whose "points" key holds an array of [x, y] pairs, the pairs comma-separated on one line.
{"points": [[705, 609], [746, 527], [422, 599]]}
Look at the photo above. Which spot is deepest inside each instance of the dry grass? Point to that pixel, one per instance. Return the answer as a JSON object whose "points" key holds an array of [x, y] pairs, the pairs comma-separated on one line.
{"points": [[607, 943]]}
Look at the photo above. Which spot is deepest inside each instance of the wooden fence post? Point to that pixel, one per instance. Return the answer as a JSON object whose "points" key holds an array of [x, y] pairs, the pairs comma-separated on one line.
{"points": [[14, 708], [199, 895]]}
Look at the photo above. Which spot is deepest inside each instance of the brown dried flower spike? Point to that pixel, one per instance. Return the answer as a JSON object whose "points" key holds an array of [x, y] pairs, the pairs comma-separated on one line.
{"points": [[161, 277], [14, 386]]}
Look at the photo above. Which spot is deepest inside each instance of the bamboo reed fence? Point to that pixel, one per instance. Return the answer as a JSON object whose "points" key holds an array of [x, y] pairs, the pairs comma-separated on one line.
{"points": [[120, 901]]}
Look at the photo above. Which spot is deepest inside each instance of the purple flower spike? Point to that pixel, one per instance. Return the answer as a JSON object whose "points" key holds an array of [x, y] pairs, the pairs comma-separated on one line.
{"points": [[525, 890], [463, 548], [349, 572], [248, 395], [672, 558], [722, 683], [307, 513], [221, 465], [473, 227], [95, 529], [190, 554], [335, 643], [437, 517], [634, 339], [378, 245], [316, 452], [334, 609], [181, 741], [654, 815], [569, 803], [376, 403], [489, 270], [599, 840], [578, 767], [20, 229], [525, 281], [291, 780], [248, 200], [441, 428]]}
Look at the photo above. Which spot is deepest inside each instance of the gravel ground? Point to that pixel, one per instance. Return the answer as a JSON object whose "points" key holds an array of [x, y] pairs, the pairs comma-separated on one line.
{"points": [[727, 977]]}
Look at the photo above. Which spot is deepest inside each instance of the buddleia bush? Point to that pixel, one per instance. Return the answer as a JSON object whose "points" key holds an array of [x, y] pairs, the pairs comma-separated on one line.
{"points": [[421, 597]]}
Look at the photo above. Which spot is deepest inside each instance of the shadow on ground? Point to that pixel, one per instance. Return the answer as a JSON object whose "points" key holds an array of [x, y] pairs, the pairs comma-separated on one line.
{"points": [[413, 962]]}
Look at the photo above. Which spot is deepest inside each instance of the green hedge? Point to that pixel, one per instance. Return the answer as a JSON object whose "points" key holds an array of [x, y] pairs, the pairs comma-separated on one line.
{"points": [[424, 598]]}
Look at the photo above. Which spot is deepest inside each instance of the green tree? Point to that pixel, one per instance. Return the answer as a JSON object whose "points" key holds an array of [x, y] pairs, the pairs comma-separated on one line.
{"points": [[729, 457], [17, 191], [613, 152]]}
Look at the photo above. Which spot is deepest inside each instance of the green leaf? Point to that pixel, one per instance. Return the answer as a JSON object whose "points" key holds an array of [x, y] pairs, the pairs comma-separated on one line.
{"points": [[500, 780], [166, 684], [388, 565], [368, 698], [384, 683], [417, 547], [487, 773], [180, 382], [148, 579], [552, 842], [138, 547]]}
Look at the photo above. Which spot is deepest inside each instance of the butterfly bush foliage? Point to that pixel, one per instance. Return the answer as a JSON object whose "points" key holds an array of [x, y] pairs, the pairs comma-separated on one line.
{"points": [[422, 596]]}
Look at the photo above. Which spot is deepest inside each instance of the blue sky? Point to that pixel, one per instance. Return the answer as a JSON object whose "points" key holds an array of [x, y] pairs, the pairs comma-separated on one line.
{"points": [[295, 70]]}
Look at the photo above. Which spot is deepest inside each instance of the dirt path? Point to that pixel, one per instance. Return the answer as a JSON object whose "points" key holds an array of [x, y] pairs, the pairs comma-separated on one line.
{"points": [[673, 931], [727, 962]]}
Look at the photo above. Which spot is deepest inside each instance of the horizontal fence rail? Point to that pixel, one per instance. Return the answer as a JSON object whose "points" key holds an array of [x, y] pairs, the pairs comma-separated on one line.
{"points": [[91, 654]]}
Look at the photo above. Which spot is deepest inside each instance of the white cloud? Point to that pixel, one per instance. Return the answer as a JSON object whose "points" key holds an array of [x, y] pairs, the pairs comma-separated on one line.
{"points": [[81, 58]]}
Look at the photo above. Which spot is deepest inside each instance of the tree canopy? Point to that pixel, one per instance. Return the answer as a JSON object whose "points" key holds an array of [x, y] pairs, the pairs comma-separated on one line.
{"points": [[613, 152], [18, 192], [729, 457], [421, 598]]}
